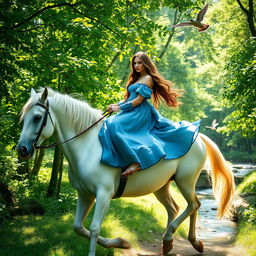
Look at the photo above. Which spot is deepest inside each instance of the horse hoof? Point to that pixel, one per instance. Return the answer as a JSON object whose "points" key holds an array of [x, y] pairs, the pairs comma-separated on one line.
{"points": [[199, 246], [167, 246], [123, 244]]}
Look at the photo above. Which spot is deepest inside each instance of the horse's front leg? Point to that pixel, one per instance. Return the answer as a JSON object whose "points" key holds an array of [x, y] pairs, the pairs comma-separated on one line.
{"points": [[83, 208], [102, 203]]}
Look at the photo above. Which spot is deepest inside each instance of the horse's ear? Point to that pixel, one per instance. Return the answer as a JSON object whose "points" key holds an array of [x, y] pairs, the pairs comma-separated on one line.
{"points": [[32, 93], [44, 95]]}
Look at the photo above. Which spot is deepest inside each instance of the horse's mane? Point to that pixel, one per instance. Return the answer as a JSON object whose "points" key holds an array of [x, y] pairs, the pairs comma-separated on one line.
{"points": [[77, 112]]}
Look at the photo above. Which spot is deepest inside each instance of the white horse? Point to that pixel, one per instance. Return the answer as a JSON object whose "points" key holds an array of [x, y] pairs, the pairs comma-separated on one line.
{"points": [[66, 116]]}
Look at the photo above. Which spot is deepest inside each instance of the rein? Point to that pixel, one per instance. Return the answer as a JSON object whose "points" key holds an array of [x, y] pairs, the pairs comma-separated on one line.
{"points": [[46, 107]]}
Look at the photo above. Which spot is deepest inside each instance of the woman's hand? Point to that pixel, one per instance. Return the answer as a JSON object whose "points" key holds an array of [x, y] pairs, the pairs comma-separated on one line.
{"points": [[113, 108]]}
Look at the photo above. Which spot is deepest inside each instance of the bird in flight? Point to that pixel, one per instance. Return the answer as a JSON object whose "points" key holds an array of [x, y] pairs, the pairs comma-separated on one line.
{"points": [[196, 23], [213, 126]]}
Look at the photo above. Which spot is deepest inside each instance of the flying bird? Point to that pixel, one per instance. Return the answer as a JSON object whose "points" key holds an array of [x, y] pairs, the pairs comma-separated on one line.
{"points": [[213, 126], [196, 23]]}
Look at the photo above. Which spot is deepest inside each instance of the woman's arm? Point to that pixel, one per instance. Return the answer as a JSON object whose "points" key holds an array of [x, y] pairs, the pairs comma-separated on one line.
{"points": [[131, 104], [137, 101], [148, 81]]}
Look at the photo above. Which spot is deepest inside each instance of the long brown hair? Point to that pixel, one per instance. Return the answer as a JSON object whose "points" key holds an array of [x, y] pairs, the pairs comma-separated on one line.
{"points": [[162, 88]]}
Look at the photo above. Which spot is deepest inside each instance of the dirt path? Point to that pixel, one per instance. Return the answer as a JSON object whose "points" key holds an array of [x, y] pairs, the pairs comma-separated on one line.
{"points": [[217, 235], [216, 247]]}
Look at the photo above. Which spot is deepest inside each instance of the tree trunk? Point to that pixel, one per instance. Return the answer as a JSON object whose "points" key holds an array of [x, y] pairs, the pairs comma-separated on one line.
{"points": [[175, 19], [166, 45], [60, 176], [249, 15], [116, 56], [52, 188], [38, 162]]}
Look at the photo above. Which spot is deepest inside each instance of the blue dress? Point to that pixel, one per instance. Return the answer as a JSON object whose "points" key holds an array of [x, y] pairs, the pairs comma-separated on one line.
{"points": [[142, 135]]}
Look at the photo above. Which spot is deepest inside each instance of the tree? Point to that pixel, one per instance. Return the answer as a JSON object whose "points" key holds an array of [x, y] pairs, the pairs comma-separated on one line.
{"points": [[249, 15]]}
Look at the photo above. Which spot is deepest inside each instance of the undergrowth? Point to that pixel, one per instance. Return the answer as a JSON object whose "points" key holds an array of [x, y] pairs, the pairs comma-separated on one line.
{"points": [[246, 233]]}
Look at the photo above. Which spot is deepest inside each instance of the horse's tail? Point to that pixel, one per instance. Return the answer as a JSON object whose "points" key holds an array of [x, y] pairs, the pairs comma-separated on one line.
{"points": [[222, 177]]}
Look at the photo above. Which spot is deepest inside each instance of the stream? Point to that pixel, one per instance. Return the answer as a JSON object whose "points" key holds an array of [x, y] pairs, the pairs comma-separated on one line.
{"points": [[209, 227]]}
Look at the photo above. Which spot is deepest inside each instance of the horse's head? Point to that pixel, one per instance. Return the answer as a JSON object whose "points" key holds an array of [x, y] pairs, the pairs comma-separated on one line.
{"points": [[38, 124]]}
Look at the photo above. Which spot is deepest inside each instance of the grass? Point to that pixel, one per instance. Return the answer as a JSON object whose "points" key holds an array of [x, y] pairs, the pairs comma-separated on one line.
{"points": [[246, 237], [135, 219], [248, 185], [246, 233]]}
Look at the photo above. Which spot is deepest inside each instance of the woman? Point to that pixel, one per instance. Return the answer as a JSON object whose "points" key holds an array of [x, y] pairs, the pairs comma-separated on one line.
{"points": [[138, 136]]}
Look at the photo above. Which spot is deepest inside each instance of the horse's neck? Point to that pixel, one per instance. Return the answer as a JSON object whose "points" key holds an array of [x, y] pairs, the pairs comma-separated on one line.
{"points": [[85, 143]]}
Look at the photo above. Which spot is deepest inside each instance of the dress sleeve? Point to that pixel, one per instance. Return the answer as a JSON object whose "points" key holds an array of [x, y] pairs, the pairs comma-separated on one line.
{"points": [[126, 106], [144, 91]]}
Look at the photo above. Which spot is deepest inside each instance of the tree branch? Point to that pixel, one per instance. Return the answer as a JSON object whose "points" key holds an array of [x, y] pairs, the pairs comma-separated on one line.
{"points": [[30, 29], [96, 20], [250, 16], [242, 7], [40, 11], [170, 36], [60, 5], [251, 5], [116, 55]]}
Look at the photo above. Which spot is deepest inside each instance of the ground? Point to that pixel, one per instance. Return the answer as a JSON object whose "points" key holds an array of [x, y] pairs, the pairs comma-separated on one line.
{"points": [[213, 247]]}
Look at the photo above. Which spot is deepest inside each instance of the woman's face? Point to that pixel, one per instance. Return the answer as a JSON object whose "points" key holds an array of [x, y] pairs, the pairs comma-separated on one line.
{"points": [[138, 65]]}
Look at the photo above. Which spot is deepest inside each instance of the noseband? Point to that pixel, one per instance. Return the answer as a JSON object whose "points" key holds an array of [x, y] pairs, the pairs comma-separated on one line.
{"points": [[47, 112]]}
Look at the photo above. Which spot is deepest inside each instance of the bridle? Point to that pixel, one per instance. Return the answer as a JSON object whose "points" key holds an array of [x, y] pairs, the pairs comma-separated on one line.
{"points": [[47, 112]]}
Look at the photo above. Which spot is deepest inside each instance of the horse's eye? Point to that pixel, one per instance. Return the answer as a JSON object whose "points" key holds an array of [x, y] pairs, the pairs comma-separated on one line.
{"points": [[37, 118]]}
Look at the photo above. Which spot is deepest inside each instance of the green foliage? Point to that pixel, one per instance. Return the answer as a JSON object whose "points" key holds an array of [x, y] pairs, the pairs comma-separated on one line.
{"points": [[240, 91], [68, 47], [81, 47], [248, 185], [250, 214], [246, 232]]}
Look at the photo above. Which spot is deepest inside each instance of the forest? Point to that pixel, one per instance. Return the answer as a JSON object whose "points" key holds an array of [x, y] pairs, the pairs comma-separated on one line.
{"points": [[84, 48]]}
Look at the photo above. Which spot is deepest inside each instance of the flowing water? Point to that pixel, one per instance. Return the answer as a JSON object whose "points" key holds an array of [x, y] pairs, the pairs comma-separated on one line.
{"points": [[209, 226], [241, 170]]}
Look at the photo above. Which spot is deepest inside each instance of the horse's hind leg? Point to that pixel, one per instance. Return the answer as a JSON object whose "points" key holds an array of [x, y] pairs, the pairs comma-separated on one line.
{"points": [[187, 188], [164, 197], [83, 208], [198, 245]]}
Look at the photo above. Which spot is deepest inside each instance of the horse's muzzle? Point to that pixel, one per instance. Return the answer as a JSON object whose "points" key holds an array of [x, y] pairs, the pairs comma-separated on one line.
{"points": [[25, 151]]}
